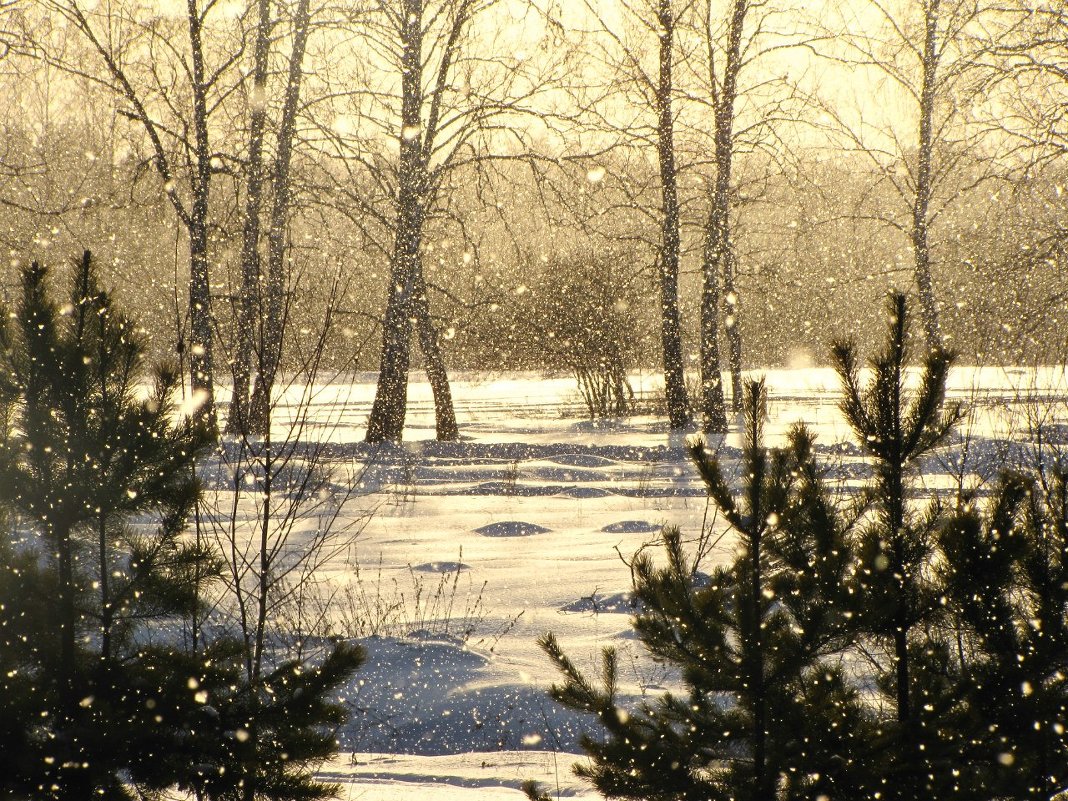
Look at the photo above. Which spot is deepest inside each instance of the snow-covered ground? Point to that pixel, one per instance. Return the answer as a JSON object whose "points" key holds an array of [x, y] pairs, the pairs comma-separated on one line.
{"points": [[474, 549]]}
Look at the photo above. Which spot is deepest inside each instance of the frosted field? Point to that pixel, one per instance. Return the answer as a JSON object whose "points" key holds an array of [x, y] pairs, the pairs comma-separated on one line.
{"points": [[519, 529]]}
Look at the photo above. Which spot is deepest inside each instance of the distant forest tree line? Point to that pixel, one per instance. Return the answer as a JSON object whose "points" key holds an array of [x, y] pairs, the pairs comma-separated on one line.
{"points": [[735, 178]]}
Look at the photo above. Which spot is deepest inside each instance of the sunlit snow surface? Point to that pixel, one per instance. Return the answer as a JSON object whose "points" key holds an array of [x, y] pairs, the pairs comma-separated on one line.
{"points": [[537, 505]]}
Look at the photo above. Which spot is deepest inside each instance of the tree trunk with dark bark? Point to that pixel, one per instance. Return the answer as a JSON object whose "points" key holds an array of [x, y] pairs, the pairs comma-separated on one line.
{"points": [[249, 303], [678, 403], [724, 145], [386, 422], [407, 303], [713, 406], [717, 261], [444, 414], [201, 361], [731, 322], [201, 342], [932, 328], [68, 624]]}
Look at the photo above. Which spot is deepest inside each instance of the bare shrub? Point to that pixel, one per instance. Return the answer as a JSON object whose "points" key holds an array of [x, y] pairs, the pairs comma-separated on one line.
{"points": [[582, 315]]}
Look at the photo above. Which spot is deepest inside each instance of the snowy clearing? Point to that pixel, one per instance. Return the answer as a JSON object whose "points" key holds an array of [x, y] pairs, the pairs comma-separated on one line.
{"points": [[479, 547]]}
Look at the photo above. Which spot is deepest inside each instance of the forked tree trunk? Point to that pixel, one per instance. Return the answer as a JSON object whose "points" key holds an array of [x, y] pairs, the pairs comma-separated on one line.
{"points": [[386, 422], [273, 324], [717, 258], [407, 304], [272, 329], [678, 404], [444, 412]]}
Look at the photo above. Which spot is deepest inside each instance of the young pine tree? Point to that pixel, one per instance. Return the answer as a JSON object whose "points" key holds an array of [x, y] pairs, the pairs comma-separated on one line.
{"points": [[98, 696], [767, 713], [96, 482], [269, 738], [1005, 573], [901, 598]]}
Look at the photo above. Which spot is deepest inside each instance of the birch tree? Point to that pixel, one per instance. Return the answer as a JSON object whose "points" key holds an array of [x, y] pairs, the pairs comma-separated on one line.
{"points": [[262, 315], [928, 58], [451, 86], [170, 76], [717, 258], [670, 240], [641, 76], [696, 84], [1028, 60], [752, 101]]}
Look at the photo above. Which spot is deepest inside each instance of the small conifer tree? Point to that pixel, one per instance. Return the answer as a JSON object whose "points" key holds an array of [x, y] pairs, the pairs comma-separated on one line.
{"points": [[901, 598], [768, 712], [1005, 573], [96, 479], [264, 742], [898, 651], [100, 695]]}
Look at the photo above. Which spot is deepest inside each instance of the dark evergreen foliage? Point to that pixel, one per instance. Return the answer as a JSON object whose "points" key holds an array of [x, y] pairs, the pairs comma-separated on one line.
{"points": [[102, 693], [766, 714], [263, 742], [896, 431], [1006, 579], [892, 649], [901, 600], [97, 482]]}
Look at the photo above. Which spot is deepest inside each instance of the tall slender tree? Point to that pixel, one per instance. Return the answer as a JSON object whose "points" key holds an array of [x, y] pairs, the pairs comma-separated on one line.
{"points": [[272, 323], [678, 403], [646, 89], [174, 108], [452, 93], [406, 301], [717, 257], [731, 60], [932, 55], [262, 311], [248, 309]]}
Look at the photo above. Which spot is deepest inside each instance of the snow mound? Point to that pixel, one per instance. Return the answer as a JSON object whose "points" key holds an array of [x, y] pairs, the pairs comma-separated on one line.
{"points": [[596, 603], [582, 460], [511, 528], [440, 567], [632, 527], [586, 492], [432, 696]]}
